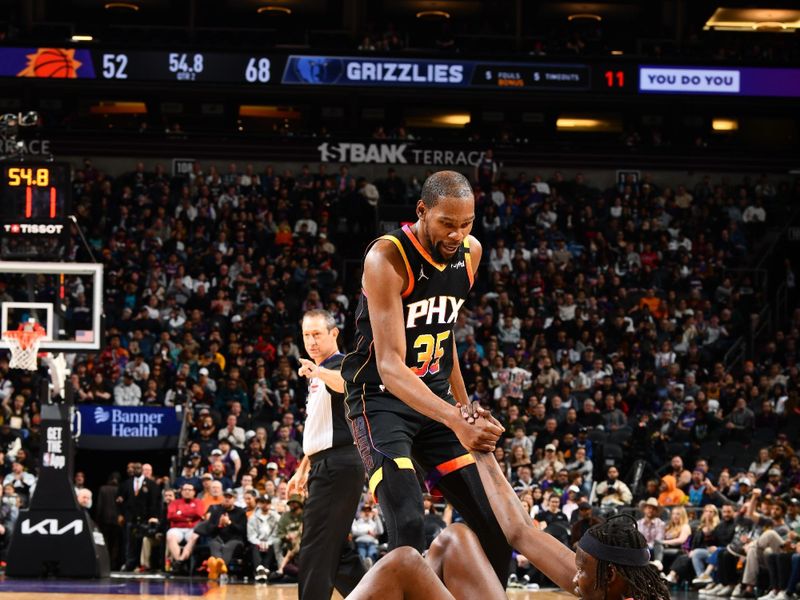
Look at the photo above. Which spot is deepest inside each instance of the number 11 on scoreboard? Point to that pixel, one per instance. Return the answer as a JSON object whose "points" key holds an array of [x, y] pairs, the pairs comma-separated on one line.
{"points": [[29, 202]]}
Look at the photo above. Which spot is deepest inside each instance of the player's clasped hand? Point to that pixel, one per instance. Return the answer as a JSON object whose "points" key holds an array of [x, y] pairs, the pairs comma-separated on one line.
{"points": [[477, 429]]}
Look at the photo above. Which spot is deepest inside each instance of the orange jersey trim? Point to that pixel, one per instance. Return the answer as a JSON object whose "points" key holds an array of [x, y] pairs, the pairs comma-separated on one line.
{"points": [[420, 249], [396, 242]]}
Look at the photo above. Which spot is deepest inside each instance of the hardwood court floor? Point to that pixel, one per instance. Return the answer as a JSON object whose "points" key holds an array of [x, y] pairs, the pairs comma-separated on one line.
{"points": [[150, 589]]}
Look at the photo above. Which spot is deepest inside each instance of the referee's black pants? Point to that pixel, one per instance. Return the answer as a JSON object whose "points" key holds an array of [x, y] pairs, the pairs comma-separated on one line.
{"points": [[335, 483]]}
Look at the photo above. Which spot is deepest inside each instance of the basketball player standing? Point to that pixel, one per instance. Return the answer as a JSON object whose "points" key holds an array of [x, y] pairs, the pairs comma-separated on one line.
{"points": [[403, 379]]}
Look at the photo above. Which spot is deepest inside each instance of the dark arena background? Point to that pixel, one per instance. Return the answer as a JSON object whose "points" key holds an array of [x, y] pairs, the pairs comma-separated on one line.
{"points": [[182, 180]]}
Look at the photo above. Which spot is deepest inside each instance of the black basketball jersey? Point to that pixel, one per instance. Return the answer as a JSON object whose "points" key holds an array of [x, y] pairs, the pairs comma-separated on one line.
{"points": [[431, 301]]}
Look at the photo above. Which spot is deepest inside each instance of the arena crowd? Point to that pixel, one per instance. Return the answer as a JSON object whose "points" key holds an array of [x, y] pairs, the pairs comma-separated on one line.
{"points": [[597, 333]]}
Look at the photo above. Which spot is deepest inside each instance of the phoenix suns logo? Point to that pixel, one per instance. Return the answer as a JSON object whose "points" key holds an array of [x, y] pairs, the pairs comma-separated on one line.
{"points": [[56, 63]]}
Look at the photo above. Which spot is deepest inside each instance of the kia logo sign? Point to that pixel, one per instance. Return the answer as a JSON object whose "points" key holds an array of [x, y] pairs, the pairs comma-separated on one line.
{"points": [[51, 527]]}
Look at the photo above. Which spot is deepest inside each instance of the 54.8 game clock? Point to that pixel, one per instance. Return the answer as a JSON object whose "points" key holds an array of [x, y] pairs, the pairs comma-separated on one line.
{"points": [[35, 199], [34, 192]]}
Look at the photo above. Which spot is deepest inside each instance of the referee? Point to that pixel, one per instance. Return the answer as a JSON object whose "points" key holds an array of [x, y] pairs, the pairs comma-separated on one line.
{"points": [[331, 469]]}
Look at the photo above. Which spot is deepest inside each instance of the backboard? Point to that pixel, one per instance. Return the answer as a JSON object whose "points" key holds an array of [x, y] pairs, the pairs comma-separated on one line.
{"points": [[64, 298]]}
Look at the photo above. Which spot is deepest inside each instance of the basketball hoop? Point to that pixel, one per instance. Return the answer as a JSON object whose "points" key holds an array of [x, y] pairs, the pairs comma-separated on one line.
{"points": [[24, 345]]}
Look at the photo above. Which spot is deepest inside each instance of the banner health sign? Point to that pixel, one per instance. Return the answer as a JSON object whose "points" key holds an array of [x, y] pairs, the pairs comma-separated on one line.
{"points": [[744, 81], [128, 427], [390, 153]]}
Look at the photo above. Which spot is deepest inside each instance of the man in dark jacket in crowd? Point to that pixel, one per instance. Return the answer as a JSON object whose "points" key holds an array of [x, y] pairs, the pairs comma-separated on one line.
{"points": [[226, 525], [139, 501]]}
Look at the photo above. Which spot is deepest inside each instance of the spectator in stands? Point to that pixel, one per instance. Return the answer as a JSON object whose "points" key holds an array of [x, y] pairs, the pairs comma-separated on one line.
{"points": [[367, 528], [739, 424], [772, 540], [676, 534], [650, 525], [183, 514], [762, 464], [226, 526], [582, 466], [290, 529], [127, 393], [613, 491], [153, 537], [702, 537], [286, 462], [189, 474], [106, 516], [234, 434], [262, 535], [23, 482], [9, 511], [671, 494], [138, 499], [550, 459], [213, 496], [582, 520]]}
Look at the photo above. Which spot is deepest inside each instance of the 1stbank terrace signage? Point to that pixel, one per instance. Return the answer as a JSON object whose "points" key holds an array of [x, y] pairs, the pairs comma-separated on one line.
{"points": [[12, 147], [128, 427], [396, 154]]}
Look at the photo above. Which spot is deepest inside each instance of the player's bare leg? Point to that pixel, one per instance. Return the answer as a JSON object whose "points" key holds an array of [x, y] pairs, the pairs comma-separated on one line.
{"points": [[401, 575], [457, 558], [455, 569]]}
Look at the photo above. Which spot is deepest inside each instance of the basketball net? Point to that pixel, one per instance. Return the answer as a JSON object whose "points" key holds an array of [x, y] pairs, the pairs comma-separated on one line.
{"points": [[24, 345]]}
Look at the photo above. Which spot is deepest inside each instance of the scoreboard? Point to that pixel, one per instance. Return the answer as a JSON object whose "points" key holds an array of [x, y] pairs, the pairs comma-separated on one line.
{"points": [[136, 66], [35, 200], [262, 70]]}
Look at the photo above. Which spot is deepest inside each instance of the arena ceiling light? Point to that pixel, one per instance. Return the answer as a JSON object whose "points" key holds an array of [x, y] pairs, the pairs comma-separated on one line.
{"points": [[584, 17], [271, 9], [456, 120], [118, 108], [593, 124], [433, 14], [269, 112], [122, 6], [425, 118], [719, 124], [777, 20], [81, 38]]}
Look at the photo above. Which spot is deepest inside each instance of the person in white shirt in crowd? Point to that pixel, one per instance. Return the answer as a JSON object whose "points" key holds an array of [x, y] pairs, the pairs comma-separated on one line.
{"points": [[262, 535], [127, 393], [366, 530], [232, 433], [500, 256], [550, 459], [613, 491], [246, 485], [139, 369]]}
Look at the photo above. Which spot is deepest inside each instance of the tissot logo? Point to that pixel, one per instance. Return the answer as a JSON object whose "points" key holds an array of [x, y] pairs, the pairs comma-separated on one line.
{"points": [[51, 527], [33, 228]]}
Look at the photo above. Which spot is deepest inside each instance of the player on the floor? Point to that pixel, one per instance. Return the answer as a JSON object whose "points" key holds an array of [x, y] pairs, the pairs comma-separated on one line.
{"points": [[331, 469], [403, 378], [611, 563]]}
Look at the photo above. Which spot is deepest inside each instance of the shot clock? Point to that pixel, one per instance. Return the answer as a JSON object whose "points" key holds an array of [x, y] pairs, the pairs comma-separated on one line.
{"points": [[35, 206]]}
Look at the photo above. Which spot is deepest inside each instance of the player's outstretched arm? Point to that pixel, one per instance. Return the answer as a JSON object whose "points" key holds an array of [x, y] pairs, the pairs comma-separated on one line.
{"points": [[544, 551], [383, 282]]}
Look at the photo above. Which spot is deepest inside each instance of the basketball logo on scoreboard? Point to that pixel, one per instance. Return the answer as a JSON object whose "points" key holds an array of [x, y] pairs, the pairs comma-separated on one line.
{"points": [[56, 63]]}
